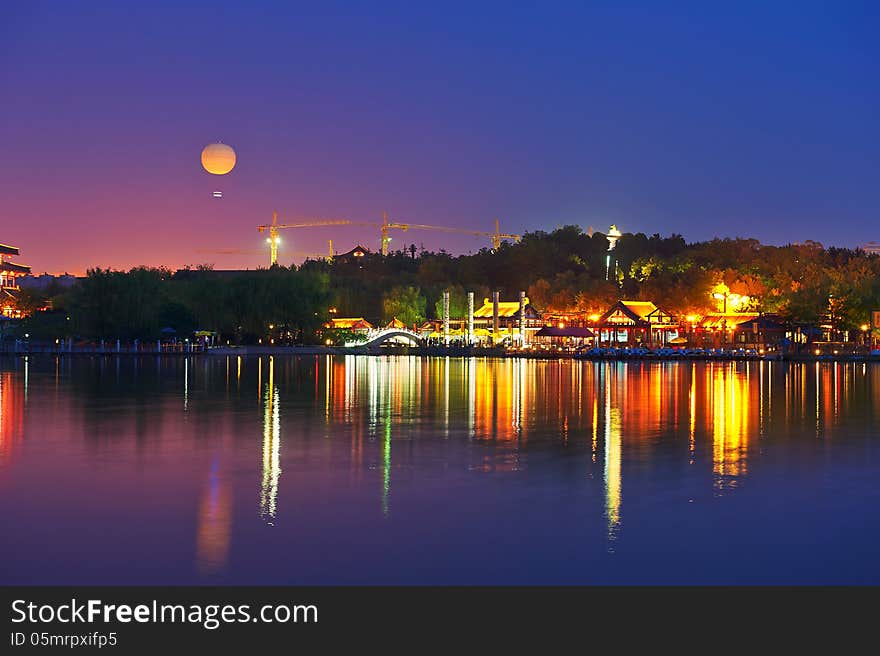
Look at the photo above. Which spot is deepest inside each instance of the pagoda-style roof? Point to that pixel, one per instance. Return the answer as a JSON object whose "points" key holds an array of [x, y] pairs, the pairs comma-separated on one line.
{"points": [[634, 313], [14, 268], [350, 323], [8, 250], [357, 251], [721, 320], [506, 309]]}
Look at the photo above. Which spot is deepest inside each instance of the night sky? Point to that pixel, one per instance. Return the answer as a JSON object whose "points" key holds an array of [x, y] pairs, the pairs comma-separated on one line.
{"points": [[748, 120]]}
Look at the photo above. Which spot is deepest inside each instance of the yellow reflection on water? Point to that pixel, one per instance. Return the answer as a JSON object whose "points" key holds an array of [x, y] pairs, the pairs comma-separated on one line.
{"points": [[386, 469], [612, 467], [271, 446], [595, 426], [472, 396], [704, 412], [692, 413], [730, 423]]}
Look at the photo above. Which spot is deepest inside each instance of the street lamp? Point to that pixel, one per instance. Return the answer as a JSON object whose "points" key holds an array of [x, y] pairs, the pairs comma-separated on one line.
{"points": [[721, 292], [692, 320]]}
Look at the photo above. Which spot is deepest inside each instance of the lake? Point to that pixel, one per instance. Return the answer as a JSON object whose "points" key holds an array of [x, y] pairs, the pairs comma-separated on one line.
{"points": [[408, 470]]}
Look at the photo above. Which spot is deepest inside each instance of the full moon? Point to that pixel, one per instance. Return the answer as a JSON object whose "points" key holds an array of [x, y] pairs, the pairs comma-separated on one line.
{"points": [[218, 158]]}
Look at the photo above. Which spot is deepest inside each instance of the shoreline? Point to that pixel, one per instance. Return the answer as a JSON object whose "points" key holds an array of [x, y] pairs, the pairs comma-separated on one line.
{"points": [[438, 351]]}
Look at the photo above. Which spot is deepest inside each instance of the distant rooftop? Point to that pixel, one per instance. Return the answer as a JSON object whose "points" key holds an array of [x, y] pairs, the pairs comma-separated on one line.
{"points": [[357, 251], [505, 308]]}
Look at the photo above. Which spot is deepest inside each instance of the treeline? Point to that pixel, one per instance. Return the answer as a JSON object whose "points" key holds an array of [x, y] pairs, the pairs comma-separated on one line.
{"points": [[144, 303], [565, 271], [562, 271]]}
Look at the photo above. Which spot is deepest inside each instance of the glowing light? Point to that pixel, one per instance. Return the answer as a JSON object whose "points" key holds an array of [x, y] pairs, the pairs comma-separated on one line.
{"points": [[730, 430], [271, 446], [386, 468], [612, 467]]}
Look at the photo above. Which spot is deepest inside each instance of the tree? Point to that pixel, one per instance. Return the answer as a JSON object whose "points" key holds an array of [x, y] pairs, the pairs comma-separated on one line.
{"points": [[405, 303], [457, 303]]}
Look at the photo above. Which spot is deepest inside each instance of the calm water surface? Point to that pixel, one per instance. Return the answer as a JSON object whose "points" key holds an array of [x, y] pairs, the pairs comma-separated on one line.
{"points": [[319, 470]]}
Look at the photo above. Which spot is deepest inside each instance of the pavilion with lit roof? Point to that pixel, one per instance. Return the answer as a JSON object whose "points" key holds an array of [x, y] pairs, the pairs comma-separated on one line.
{"points": [[636, 323], [10, 272]]}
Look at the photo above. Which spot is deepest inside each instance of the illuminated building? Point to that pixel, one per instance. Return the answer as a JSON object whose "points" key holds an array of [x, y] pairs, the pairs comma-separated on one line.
{"points": [[719, 327], [10, 272], [354, 324], [633, 323], [871, 248], [740, 328], [564, 337], [356, 255], [508, 318]]}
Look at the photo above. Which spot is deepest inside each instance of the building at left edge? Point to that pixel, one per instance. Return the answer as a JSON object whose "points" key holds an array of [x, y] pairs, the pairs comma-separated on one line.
{"points": [[10, 272]]}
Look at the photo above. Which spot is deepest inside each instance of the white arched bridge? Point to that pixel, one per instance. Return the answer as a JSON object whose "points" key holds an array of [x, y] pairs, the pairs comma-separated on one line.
{"points": [[377, 337]]}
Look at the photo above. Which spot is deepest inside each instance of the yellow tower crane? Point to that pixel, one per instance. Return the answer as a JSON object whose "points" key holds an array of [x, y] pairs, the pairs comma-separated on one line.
{"points": [[328, 256], [274, 239], [496, 236]]}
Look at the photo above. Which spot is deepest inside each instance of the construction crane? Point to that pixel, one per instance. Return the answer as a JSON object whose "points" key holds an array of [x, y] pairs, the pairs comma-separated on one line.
{"points": [[274, 239], [328, 256], [496, 236]]}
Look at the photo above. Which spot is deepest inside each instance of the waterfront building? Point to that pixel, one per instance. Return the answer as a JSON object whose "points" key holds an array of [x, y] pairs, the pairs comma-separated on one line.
{"points": [[563, 337], [509, 326], [762, 332], [10, 273], [354, 324], [718, 328], [741, 329], [636, 323]]}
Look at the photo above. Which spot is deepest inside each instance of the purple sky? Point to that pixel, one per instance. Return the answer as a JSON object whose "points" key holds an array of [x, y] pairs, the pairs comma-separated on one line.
{"points": [[757, 120]]}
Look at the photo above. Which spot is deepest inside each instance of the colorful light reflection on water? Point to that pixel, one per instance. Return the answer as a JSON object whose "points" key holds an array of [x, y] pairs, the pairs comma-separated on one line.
{"points": [[437, 470]]}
